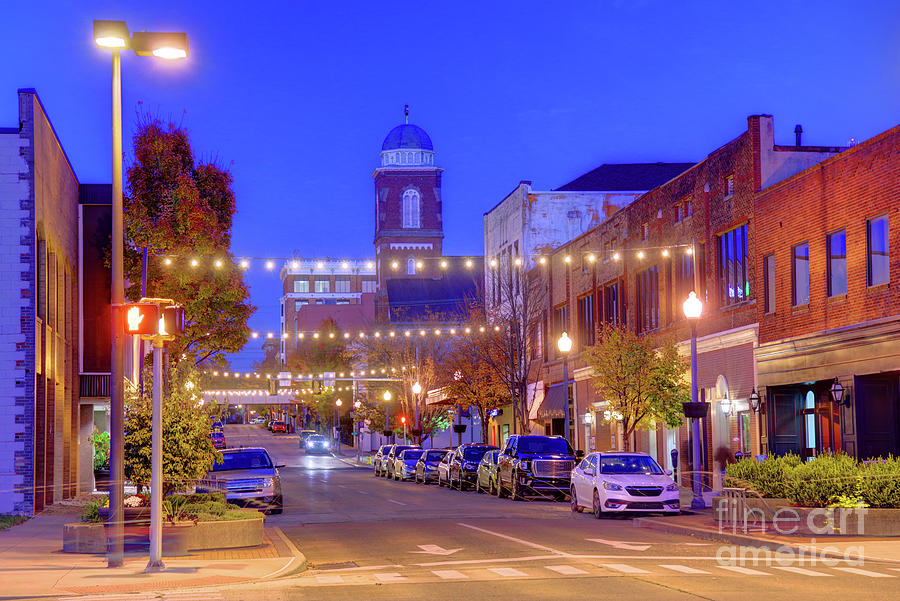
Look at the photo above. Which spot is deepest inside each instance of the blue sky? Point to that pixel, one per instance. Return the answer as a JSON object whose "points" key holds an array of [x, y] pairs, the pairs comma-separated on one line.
{"points": [[296, 97]]}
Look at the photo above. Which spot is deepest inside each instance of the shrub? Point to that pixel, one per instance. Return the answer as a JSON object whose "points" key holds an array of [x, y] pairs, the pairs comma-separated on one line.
{"points": [[770, 477], [819, 482], [880, 482], [91, 511]]}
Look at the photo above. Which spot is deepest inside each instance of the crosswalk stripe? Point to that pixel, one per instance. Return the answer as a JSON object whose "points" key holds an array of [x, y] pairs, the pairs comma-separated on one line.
{"points": [[448, 574], [507, 572], [683, 569], [566, 570], [801, 571], [390, 577], [625, 568], [329, 578], [744, 571], [861, 572]]}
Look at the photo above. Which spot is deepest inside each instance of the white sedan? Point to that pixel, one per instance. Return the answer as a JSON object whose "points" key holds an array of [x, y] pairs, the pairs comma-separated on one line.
{"points": [[616, 482]]}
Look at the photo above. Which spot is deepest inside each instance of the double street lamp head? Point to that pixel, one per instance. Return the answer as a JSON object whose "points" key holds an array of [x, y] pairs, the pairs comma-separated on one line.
{"points": [[115, 35]]}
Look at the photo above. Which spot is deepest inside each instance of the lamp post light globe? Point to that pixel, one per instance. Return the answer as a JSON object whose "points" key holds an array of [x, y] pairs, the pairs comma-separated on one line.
{"points": [[339, 402], [417, 388], [357, 404], [564, 344], [387, 395], [692, 306]]}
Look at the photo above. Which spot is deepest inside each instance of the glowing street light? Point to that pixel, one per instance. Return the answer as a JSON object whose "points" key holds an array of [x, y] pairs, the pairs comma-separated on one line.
{"points": [[564, 344]]}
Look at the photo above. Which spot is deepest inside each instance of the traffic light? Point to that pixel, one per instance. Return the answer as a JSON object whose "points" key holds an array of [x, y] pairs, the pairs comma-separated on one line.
{"points": [[174, 319], [141, 318]]}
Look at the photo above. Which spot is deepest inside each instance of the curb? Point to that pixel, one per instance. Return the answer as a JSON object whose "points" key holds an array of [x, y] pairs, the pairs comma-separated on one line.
{"points": [[744, 540], [352, 463], [298, 557]]}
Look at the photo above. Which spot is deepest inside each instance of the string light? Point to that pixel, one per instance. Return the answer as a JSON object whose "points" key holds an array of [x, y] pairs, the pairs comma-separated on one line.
{"points": [[218, 263], [194, 262], [615, 256], [542, 260], [591, 258], [167, 261], [270, 265], [665, 252], [468, 263], [567, 259], [640, 254], [443, 264]]}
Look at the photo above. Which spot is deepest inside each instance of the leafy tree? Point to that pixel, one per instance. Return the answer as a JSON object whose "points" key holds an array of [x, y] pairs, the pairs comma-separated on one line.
{"points": [[178, 209], [642, 379], [187, 451]]}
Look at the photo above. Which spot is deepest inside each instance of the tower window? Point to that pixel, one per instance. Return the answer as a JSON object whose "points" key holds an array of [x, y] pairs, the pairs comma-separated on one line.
{"points": [[411, 209], [411, 266]]}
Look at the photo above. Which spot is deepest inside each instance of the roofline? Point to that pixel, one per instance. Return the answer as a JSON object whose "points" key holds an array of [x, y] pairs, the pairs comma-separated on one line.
{"points": [[62, 148]]}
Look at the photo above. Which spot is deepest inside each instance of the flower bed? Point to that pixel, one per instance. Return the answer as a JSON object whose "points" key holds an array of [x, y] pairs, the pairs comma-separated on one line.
{"points": [[826, 481]]}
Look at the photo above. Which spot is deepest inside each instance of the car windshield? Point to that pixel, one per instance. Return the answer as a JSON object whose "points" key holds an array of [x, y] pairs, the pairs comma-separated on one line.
{"points": [[474, 453], [385, 449], [540, 444], [400, 448], [412, 455], [435, 455], [316, 438], [490, 457], [244, 460], [628, 464]]}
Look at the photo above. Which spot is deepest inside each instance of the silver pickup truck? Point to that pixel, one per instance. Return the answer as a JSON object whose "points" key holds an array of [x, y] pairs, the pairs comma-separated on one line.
{"points": [[248, 477]]}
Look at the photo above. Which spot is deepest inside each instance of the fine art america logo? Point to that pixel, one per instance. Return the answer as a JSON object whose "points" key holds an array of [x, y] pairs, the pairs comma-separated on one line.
{"points": [[734, 516]]}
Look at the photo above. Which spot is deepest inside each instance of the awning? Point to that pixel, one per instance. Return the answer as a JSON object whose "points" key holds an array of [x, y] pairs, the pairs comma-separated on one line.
{"points": [[554, 403]]}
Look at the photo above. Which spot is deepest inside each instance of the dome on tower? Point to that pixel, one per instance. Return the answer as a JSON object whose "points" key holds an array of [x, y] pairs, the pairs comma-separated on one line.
{"points": [[407, 136]]}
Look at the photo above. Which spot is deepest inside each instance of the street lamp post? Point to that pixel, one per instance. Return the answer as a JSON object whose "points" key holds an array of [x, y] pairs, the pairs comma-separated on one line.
{"points": [[564, 344], [337, 426], [115, 36], [356, 407], [403, 421], [692, 310], [417, 390], [387, 410]]}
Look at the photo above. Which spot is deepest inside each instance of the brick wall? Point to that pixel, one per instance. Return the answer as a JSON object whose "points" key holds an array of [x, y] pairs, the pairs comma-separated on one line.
{"points": [[841, 193]]}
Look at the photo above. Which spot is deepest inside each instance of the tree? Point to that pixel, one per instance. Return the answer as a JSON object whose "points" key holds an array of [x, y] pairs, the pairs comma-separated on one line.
{"points": [[188, 451], [177, 209], [642, 379], [470, 379]]}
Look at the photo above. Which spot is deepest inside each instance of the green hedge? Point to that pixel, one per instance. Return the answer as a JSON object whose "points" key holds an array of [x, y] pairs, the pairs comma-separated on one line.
{"points": [[825, 480]]}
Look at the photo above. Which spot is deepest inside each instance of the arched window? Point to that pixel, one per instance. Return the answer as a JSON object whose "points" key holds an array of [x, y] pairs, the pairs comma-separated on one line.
{"points": [[411, 209], [411, 266]]}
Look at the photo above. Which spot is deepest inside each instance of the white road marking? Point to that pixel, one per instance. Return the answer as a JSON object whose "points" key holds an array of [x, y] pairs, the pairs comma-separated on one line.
{"points": [[507, 572], [682, 569], [861, 572], [390, 577], [618, 544], [744, 571], [566, 570], [801, 571], [515, 540], [329, 578], [625, 568], [436, 550], [449, 574], [397, 502]]}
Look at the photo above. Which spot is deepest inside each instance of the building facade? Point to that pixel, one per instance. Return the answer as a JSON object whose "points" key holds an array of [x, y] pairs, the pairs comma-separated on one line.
{"points": [[827, 264], [637, 268], [39, 410]]}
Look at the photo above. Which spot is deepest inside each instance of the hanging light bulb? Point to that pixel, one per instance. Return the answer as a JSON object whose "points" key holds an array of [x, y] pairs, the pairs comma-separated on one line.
{"points": [[270, 265], [167, 261]]}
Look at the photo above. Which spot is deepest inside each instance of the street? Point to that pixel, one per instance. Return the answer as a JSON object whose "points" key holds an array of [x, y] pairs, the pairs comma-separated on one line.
{"points": [[369, 538]]}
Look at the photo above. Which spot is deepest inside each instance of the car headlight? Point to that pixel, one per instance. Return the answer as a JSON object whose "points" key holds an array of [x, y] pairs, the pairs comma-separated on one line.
{"points": [[611, 486], [525, 465], [469, 466], [325, 444], [309, 444], [267, 482], [672, 487]]}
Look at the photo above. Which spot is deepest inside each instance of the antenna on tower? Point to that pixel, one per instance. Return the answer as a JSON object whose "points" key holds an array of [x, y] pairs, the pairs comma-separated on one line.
{"points": [[406, 112]]}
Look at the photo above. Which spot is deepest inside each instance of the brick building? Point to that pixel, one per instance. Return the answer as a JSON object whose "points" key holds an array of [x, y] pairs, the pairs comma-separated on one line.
{"points": [[637, 268], [39, 410], [826, 266]]}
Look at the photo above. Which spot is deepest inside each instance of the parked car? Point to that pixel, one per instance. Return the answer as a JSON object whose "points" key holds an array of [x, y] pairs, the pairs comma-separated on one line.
{"points": [[443, 469], [316, 443], [248, 477], [427, 465], [218, 439], [257, 420], [486, 478], [615, 482], [217, 426], [405, 464], [392, 455], [279, 427], [531, 465], [464, 464], [379, 459]]}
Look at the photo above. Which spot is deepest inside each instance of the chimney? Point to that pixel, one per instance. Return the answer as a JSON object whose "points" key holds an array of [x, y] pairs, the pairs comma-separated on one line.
{"points": [[798, 132]]}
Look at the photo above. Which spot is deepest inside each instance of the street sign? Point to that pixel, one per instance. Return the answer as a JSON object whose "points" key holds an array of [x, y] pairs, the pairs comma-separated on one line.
{"points": [[141, 318]]}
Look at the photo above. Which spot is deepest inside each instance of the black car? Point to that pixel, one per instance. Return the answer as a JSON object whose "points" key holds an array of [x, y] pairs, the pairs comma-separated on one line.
{"points": [[464, 464], [532, 465], [486, 479], [427, 466], [380, 457], [391, 458]]}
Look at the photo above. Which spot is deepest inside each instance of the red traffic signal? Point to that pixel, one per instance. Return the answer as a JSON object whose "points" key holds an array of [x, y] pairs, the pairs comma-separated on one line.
{"points": [[141, 318]]}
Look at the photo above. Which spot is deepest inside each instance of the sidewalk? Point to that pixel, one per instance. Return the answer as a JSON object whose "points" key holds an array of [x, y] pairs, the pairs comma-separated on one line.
{"points": [[32, 563], [703, 524]]}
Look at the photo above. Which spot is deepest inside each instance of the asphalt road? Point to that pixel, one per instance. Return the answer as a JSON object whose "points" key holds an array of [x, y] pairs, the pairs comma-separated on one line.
{"points": [[370, 538]]}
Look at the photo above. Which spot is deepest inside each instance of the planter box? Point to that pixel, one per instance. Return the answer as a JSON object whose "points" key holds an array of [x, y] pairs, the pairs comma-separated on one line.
{"points": [[810, 521], [133, 515], [101, 480], [178, 539]]}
